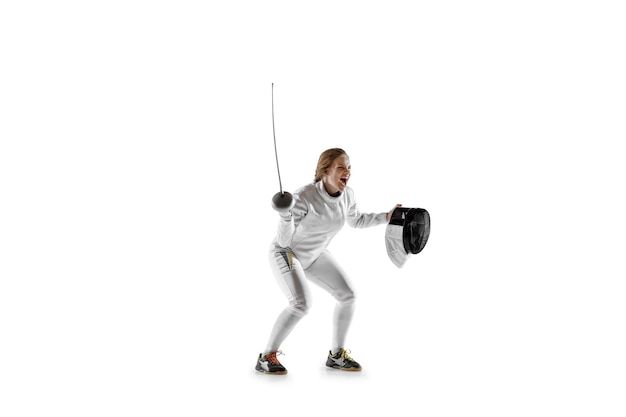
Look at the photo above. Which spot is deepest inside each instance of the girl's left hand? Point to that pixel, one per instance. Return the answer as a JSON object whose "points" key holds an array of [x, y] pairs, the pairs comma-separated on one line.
{"points": [[391, 212]]}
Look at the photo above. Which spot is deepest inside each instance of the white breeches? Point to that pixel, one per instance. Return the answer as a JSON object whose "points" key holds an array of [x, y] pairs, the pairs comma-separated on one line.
{"points": [[292, 279]]}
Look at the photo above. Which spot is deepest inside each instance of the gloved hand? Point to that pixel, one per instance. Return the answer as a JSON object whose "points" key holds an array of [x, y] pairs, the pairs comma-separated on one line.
{"points": [[283, 202]]}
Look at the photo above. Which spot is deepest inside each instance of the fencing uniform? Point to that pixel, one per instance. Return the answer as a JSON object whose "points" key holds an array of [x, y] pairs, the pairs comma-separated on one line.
{"points": [[299, 254]]}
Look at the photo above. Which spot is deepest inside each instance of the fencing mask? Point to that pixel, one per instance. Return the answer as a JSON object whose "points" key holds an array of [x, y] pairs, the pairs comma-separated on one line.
{"points": [[407, 233]]}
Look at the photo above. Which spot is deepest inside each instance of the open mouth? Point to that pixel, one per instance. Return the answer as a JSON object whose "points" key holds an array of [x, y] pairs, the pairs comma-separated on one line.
{"points": [[343, 181]]}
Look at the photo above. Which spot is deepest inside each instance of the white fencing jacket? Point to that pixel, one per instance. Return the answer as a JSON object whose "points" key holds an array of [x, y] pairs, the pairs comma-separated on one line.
{"points": [[316, 218]]}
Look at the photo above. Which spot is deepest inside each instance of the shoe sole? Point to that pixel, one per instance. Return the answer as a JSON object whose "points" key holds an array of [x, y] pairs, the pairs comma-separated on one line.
{"points": [[271, 373], [345, 369]]}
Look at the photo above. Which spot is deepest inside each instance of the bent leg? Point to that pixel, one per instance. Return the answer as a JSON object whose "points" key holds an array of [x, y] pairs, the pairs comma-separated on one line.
{"points": [[326, 273], [291, 279]]}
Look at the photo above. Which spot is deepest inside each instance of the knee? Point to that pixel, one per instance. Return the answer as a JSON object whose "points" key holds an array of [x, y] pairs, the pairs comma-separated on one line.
{"points": [[347, 297], [300, 307]]}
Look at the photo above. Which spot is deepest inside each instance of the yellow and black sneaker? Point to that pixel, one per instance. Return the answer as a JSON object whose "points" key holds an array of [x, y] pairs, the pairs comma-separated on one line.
{"points": [[269, 364], [341, 360]]}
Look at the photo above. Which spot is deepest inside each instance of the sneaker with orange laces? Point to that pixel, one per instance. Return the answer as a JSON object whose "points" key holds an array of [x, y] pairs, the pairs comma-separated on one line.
{"points": [[269, 364]]}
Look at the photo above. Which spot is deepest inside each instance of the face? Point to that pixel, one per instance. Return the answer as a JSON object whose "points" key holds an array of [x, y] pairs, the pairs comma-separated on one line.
{"points": [[337, 176]]}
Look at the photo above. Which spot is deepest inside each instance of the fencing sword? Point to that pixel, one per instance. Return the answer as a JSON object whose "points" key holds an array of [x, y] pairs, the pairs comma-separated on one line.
{"points": [[282, 200]]}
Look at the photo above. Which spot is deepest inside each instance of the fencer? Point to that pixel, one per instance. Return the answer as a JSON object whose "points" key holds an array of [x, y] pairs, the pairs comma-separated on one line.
{"points": [[299, 255]]}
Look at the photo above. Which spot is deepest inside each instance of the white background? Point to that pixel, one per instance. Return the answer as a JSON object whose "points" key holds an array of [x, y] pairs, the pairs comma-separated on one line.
{"points": [[137, 168]]}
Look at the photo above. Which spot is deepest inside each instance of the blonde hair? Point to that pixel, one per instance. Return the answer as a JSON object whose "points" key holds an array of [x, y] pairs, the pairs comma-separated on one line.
{"points": [[326, 160]]}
